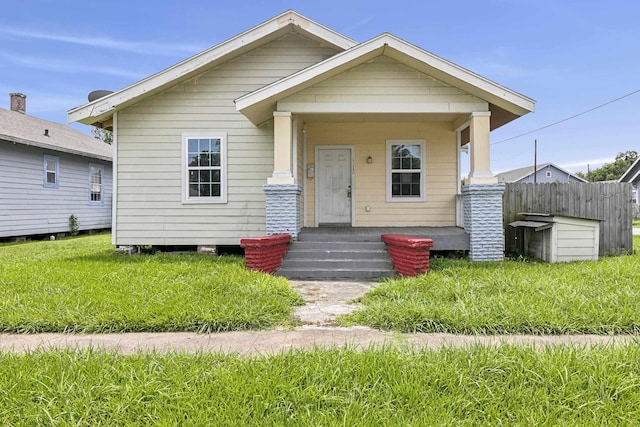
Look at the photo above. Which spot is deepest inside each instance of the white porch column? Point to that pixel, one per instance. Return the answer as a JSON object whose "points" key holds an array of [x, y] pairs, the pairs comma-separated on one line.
{"points": [[479, 129], [282, 148]]}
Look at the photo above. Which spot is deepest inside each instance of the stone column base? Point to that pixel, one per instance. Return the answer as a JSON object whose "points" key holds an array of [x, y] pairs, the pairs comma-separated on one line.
{"points": [[483, 221], [283, 209]]}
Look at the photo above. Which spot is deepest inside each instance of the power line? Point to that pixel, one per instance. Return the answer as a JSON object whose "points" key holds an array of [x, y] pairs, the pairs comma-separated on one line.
{"points": [[568, 118]]}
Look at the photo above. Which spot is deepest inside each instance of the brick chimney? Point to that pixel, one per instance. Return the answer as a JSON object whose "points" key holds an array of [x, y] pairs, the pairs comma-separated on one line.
{"points": [[18, 102]]}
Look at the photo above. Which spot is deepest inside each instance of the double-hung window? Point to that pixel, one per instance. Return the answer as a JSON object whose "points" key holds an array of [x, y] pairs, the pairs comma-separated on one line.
{"points": [[50, 177], [204, 168], [406, 170], [96, 187]]}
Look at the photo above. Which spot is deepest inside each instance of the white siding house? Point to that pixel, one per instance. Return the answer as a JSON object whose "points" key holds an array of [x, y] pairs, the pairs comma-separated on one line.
{"points": [[291, 125], [48, 172]]}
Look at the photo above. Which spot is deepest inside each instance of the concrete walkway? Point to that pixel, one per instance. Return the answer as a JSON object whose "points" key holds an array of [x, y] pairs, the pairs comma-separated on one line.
{"points": [[325, 301], [636, 231]]}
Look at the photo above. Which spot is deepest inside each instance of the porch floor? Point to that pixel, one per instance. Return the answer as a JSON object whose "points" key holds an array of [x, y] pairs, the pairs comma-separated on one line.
{"points": [[444, 238]]}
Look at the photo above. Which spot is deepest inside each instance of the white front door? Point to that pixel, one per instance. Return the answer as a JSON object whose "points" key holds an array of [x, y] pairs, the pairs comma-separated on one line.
{"points": [[334, 186]]}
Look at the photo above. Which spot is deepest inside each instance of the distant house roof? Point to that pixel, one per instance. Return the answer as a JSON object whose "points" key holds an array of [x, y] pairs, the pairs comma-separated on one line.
{"points": [[633, 173], [516, 175], [21, 128]]}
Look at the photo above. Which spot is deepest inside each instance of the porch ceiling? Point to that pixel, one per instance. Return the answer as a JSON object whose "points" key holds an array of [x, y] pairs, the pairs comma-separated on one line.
{"points": [[379, 117]]}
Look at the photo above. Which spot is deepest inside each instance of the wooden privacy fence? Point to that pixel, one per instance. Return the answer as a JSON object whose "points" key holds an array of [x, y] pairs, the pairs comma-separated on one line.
{"points": [[609, 202]]}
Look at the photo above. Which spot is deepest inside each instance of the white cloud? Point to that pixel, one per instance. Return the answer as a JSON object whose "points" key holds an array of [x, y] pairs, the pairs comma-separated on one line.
{"points": [[153, 48], [49, 64], [583, 164]]}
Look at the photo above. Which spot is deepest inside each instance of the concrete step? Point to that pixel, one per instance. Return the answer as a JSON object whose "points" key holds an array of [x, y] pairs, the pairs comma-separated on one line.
{"points": [[340, 254], [338, 246], [336, 237], [330, 260], [333, 274], [337, 264]]}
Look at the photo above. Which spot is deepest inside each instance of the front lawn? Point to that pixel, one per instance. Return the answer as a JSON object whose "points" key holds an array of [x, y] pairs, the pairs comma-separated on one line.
{"points": [[460, 296], [500, 385], [81, 285]]}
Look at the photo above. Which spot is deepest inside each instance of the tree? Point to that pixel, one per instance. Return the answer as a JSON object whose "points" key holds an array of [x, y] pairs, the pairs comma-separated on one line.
{"points": [[102, 134], [611, 171]]}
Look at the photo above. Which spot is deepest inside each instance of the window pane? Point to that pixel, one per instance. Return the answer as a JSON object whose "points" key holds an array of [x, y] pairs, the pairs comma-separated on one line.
{"points": [[215, 176], [215, 145], [193, 176], [395, 163], [205, 190], [192, 159], [215, 190], [415, 163], [205, 145], [215, 159], [205, 176], [193, 190], [51, 166], [204, 159], [51, 177], [406, 163], [192, 146], [405, 184]]}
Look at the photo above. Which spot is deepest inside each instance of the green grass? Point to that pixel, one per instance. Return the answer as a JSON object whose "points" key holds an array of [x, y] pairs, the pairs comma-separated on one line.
{"points": [[479, 385], [636, 222], [460, 296], [81, 285]]}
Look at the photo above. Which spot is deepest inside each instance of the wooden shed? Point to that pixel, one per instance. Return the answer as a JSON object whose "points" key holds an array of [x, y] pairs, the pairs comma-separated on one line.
{"points": [[557, 238]]}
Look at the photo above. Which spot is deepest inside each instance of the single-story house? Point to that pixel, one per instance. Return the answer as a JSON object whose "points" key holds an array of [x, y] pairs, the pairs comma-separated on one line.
{"points": [[632, 175], [48, 172], [290, 125], [545, 172]]}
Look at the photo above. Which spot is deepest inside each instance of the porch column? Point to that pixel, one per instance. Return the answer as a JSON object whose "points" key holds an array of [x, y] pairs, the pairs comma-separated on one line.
{"points": [[482, 197], [479, 128], [282, 207], [282, 148]]}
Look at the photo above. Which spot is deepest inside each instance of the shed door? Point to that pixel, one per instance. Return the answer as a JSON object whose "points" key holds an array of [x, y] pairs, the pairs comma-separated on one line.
{"points": [[334, 186]]}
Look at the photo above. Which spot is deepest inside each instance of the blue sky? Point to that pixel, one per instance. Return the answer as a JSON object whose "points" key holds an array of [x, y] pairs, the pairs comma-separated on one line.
{"points": [[568, 55]]}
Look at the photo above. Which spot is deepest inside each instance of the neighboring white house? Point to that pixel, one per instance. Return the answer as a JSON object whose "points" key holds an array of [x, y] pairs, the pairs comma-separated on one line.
{"points": [[546, 172], [291, 124], [632, 175], [48, 172]]}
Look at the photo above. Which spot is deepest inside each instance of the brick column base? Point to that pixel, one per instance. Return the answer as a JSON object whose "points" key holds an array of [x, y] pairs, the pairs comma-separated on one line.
{"points": [[283, 209], [483, 221]]}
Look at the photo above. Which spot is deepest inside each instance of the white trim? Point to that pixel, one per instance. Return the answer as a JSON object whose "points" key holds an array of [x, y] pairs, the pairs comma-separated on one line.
{"points": [[100, 167], [294, 149], [304, 174], [114, 180], [223, 169], [45, 183], [351, 149], [423, 170], [287, 22]]}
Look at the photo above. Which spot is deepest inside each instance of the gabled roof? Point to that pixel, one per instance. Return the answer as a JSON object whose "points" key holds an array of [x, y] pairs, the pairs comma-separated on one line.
{"points": [[20, 128], [516, 175], [633, 173], [290, 21], [259, 105]]}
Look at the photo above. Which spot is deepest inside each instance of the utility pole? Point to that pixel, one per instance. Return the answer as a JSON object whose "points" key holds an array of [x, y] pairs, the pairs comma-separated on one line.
{"points": [[535, 161]]}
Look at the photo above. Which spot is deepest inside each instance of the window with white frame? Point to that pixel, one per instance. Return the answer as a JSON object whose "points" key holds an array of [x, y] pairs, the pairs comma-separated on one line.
{"points": [[204, 168], [406, 170], [50, 172], [96, 186]]}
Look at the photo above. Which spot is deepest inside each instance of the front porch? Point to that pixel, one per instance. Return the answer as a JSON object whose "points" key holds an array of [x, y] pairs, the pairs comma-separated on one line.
{"points": [[357, 253], [444, 238]]}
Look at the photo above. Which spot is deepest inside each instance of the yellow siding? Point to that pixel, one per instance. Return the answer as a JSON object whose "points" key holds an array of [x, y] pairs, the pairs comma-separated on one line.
{"points": [[385, 81], [149, 207], [369, 188]]}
